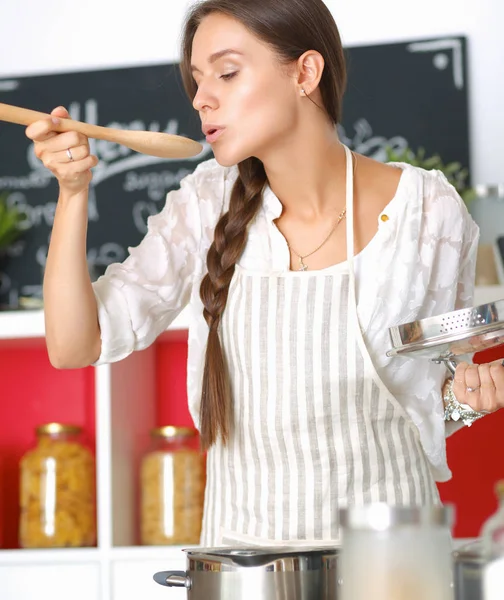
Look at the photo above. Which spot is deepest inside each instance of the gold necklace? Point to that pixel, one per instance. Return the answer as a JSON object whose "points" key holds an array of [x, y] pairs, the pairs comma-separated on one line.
{"points": [[302, 265]]}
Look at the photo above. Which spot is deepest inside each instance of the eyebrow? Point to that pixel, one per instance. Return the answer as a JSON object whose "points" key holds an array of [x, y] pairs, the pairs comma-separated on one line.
{"points": [[216, 55]]}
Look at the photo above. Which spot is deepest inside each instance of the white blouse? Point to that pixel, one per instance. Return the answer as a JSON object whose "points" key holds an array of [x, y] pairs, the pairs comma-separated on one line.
{"points": [[420, 263]]}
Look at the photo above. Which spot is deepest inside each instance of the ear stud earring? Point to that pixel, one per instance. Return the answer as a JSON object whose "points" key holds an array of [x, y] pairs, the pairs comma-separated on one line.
{"points": [[303, 93]]}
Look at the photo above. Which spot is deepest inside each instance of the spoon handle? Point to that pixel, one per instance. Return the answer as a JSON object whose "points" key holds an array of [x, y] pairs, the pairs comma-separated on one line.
{"points": [[163, 145]]}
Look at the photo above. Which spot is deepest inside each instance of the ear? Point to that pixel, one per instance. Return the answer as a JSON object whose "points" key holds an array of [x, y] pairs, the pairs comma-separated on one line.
{"points": [[310, 67]]}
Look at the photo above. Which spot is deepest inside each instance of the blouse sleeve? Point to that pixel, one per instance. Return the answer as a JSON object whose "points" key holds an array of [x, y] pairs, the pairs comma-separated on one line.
{"points": [[467, 270], [466, 278], [453, 235], [138, 298]]}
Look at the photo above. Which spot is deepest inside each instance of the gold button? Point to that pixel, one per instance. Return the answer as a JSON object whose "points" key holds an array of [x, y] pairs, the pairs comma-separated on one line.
{"points": [[384, 218]]}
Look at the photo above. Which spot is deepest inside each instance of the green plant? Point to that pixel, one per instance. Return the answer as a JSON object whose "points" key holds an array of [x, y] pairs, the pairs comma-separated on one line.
{"points": [[453, 171], [10, 219]]}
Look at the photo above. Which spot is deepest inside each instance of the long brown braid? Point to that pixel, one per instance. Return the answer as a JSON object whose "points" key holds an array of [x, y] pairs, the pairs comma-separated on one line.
{"points": [[229, 242], [290, 27]]}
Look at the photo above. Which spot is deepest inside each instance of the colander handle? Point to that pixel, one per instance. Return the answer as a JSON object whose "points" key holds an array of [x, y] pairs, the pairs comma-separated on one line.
{"points": [[450, 362]]}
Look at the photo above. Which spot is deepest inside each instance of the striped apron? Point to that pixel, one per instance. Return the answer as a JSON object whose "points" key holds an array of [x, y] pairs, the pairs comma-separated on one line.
{"points": [[313, 426]]}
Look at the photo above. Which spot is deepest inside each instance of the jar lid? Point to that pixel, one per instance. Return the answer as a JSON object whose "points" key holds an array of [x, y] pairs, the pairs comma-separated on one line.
{"points": [[381, 516], [53, 428], [170, 431]]}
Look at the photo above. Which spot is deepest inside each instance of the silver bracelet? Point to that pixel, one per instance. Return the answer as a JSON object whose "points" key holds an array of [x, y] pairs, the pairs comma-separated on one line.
{"points": [[455, 410]]}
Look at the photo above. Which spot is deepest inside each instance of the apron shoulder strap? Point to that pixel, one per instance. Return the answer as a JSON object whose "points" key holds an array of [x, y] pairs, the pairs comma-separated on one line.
{"points": [[350, 216]]}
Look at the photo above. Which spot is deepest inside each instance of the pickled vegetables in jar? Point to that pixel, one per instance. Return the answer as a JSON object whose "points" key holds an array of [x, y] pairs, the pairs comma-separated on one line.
{"points": [[57, 490], [172, 479]]}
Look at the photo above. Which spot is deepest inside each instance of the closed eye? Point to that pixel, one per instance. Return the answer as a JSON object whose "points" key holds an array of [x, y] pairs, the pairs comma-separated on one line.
{"points": [[228, 76]]}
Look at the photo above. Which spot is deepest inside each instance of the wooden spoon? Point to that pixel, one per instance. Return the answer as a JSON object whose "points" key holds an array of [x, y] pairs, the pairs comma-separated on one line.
{"points": [[164, 145]]}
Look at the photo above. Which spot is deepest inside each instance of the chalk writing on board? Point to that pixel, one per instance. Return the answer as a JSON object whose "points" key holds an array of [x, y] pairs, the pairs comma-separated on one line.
{"points": [[364, 141]]}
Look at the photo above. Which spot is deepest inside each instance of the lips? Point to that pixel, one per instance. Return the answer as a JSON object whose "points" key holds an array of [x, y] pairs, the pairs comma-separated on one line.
{"points": [[212, 132]]}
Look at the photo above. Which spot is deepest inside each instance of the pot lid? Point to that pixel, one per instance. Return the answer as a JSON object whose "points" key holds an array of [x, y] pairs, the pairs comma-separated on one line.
{"points": [[257, 556]]}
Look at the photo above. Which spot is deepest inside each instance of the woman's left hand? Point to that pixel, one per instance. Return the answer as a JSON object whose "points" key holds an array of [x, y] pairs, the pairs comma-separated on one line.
{"points": [[480, 386]]}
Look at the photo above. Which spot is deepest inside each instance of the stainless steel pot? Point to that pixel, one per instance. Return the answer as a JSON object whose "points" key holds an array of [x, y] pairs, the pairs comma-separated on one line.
{"points": [[252, 574], [292, 574]]}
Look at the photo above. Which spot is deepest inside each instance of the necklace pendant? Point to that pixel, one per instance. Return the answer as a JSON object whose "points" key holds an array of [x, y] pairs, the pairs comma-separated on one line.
{"points": [[302, 266]]}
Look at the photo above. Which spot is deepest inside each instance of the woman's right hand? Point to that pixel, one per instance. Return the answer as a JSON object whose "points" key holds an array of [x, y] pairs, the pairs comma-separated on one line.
{"points": [[67, 154]]}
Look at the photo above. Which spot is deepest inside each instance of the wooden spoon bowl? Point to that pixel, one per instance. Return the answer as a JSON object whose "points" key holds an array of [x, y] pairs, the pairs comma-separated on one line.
{"points": [[163, 145]]}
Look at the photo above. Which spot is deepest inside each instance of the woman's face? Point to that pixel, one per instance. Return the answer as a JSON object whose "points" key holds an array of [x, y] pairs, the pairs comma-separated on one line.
{"points": [[247, 100]]}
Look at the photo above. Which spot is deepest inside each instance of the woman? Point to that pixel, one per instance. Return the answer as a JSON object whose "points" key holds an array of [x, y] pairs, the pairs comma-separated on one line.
{"points": [[295, 257]]}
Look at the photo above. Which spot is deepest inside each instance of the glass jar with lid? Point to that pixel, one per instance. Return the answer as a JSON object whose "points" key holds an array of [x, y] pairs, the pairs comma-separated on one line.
{"points": [[57, 490], [172, 478], [396, 552]]}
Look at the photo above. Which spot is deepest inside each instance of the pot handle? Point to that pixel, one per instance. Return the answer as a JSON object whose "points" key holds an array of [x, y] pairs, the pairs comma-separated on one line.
{"points": [[173, 579]]}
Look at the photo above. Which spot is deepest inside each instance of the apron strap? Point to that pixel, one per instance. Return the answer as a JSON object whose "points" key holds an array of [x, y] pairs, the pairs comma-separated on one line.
{"points": [[350, 218]]}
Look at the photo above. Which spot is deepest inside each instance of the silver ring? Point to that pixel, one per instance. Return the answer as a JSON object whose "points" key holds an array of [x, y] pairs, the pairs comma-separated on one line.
{"points": [[473, 389], [69, 154]]}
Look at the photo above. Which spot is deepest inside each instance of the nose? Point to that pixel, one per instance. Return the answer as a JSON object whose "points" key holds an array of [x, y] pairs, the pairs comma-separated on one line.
{"points": [[204, 99]]}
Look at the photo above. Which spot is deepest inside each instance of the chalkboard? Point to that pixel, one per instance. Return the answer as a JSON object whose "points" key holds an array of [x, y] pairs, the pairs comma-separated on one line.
{"points": [[408, 94]]}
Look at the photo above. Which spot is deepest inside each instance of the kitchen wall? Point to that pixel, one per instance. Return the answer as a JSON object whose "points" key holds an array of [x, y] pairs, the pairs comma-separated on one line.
{"points": [[56, 35]]}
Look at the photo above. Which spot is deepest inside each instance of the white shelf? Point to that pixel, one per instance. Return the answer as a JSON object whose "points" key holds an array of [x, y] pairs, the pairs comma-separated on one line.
{"points": [[140, 553], [87, 555], [22, 324], [49, 555], [149, 553]]}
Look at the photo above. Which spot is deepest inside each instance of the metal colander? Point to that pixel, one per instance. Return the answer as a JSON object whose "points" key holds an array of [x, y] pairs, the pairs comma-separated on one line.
{"points": [[456, 333]]}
